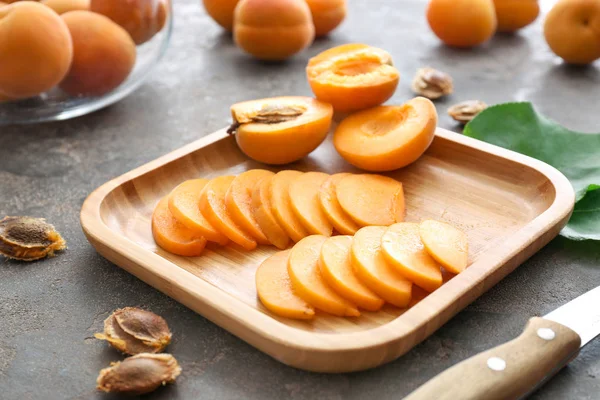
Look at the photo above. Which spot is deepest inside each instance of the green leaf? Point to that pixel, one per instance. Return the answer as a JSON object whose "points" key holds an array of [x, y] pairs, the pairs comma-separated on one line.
{"points": [[518, 127]]}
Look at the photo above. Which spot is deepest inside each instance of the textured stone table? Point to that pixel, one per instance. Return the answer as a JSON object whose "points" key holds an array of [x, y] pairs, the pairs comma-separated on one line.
{"points": [[49, 310]]}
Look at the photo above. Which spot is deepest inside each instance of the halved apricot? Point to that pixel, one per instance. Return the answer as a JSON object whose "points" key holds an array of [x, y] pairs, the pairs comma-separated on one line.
{"points": [[340, 220], [280, 130], [304, 196], [352, 77], [262, 208], [446, 244], [239, 202], [212, 206], [335, 264], [308, 283], [172, 236], [275, 291], [373, 270], [371, 199], [387, 137], [403, 249], [281, 204]]}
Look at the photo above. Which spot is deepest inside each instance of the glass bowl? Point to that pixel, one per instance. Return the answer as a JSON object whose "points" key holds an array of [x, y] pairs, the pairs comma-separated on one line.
{"points": [[55, 105]]}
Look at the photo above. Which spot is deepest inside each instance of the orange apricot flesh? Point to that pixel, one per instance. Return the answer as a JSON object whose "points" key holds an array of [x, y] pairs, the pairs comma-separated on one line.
{"points": [[281, 204], [352, 77], [63, 6], [335, 264], [212, 206], [263, 212], [340, 220], [304, 196], [446, 244], [404, 251], [386, 138], [308, 282], [275, 290], [371, 199], [326, 14], [280, 130], [239, 202], [513, 15], [221, 11], [172, 236], [372, 269]]}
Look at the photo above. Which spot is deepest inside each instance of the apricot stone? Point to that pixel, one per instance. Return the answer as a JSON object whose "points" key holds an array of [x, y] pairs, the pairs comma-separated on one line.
{"points": [[35, 49], [273, 29], [513, 15], [221, 11], [327, 14], [63, 6], [103, 54]]}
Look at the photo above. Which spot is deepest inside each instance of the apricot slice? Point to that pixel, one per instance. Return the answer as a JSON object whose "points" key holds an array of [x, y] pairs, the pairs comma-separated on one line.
{"points": [[372, 269], [340, 220], [404, 250], [335, 264], [262, 208], [371, 199], [184, 204], [239, 202], [387, 137], [275, 291], [304, 196], [172, 236], [280, 130], [281, 204], [305, 275], [352, 77], [446, 244], [212, 206], [326, 14]]}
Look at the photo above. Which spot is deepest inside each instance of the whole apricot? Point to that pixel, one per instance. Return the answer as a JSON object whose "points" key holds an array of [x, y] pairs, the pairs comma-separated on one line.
{"points": [[462, 23], [63, 6], [572, 30], [327, 14], [35, 49], [273, 29], [103, 54], [221, 11], [513, 15], [142, 19]]}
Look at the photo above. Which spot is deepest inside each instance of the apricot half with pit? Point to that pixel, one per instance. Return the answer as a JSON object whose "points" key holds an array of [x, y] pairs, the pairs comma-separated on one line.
{"points": [[352, 77], [385, 138], [280, 130]]}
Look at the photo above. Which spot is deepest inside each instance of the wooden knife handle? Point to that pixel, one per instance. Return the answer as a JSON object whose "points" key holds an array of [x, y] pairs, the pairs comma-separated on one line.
{"points": [[508, 371]]}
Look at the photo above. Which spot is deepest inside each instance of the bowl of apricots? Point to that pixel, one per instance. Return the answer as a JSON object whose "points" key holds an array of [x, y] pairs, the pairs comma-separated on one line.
{"points": [[81, 55]]}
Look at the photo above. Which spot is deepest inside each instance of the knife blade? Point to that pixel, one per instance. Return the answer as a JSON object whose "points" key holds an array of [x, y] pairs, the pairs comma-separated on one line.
{"points": [[515, 369]]}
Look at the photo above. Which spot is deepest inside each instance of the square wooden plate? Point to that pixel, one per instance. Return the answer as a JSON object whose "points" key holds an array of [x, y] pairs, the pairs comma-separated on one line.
{"points": [[509, 205]]}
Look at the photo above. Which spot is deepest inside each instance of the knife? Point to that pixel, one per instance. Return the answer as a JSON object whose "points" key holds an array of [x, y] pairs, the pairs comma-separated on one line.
{"points": [[517, 368]]}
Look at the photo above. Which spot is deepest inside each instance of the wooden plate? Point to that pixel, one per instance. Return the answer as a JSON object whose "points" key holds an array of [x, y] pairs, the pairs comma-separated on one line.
{"points": [[509, 205]]}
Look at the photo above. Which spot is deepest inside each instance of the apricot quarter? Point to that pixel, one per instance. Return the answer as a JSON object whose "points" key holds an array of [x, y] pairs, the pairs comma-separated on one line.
{"points": [[513, 15], [221, 11], [327, 14], [63, 6]]}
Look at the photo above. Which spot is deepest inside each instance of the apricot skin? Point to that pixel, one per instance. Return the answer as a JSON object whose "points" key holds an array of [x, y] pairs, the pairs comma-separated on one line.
{"points": [[327, 14], [273, 30], [572, 30], [462, 23], [33, 58], [513, 15], [63, 6], [103, 54], [221, 11]]}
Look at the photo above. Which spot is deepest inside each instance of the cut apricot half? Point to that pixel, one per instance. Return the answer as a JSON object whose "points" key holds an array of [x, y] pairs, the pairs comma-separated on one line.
{"points": [[280, 130], [371, 199], [239, 202], [352, 77], [335, 264], [404, 250], [184, 204], [303, 268], [263, 212], [340, 220], [373, 270], [387, 137], [275, 290], [304, 196], [172, 236], [281, 204], [446, 244], [212, 206]]}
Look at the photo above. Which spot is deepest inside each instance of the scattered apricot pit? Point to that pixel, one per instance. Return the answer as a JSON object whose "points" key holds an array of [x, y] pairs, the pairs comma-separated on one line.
{"points": [[467, 110], [431, 83], [29, 239]]}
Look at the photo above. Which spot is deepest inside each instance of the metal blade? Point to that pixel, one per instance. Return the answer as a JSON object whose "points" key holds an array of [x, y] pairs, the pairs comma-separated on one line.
{"points": [[582, 315]]}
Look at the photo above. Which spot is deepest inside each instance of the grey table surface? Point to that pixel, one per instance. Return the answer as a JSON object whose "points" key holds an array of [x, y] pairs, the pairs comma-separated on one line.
{"points": [[49, 310]]}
